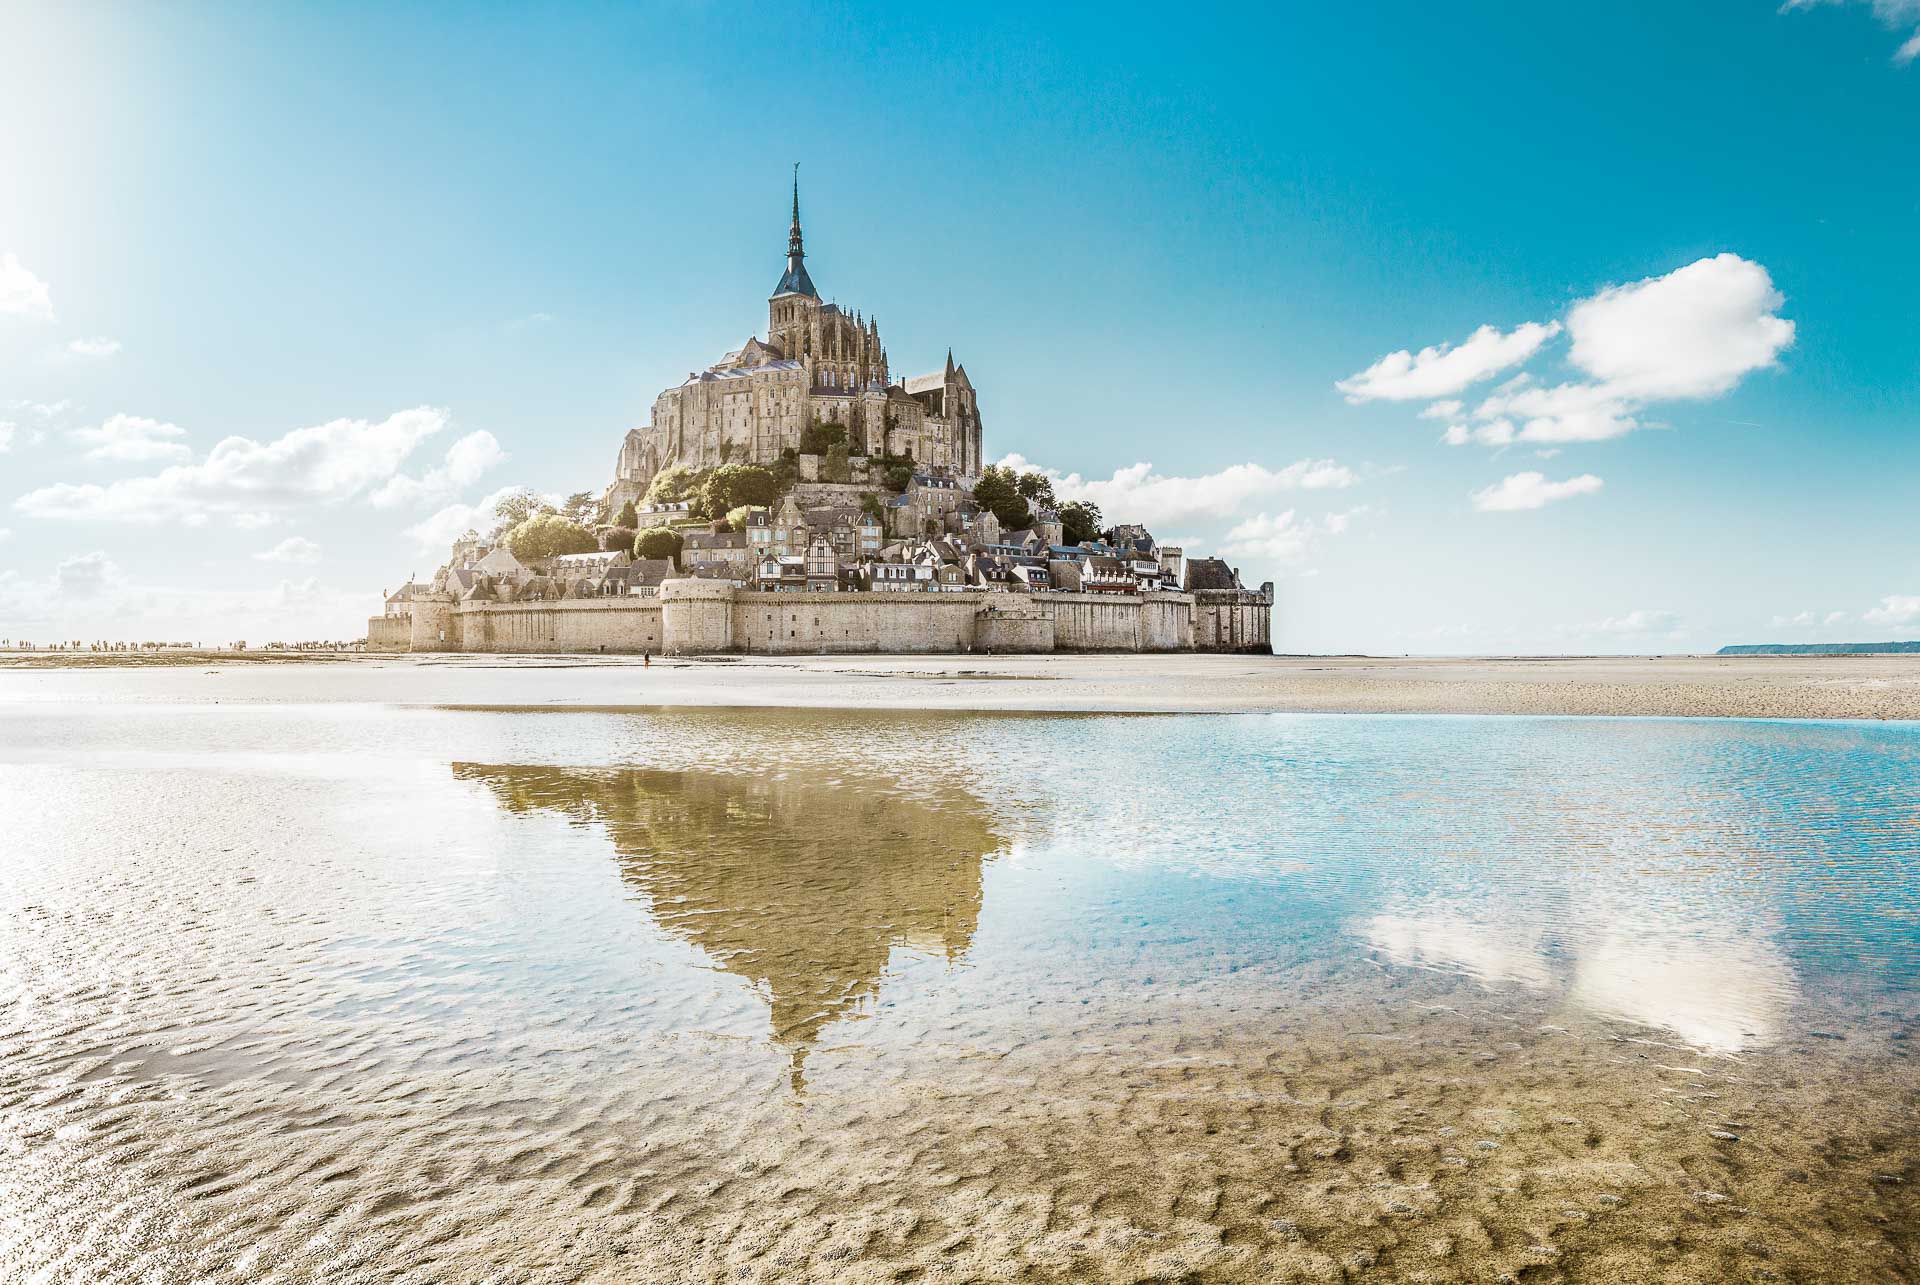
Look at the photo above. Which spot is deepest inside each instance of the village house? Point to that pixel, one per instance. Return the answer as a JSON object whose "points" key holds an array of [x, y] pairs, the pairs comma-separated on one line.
{"points": [[730, 548]]}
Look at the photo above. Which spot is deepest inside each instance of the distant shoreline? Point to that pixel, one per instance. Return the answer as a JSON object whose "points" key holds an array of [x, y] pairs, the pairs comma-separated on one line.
{"points": [[1874, 687], [1822, 649]]}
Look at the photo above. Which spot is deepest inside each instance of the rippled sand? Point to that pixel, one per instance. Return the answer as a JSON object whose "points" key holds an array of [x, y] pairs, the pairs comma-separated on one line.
{"points": [[349, 993], [1817, 687]]}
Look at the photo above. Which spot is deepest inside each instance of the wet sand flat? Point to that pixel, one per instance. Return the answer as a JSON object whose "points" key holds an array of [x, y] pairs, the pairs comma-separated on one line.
{"points": [[1845, 687], [321, 988]]}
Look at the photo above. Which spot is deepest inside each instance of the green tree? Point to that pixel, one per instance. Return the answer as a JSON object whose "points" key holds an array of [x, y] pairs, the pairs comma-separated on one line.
{"points": [[1036, 489], [629, 517], [582, 508], [732, 485], [1080, 520], [658, 542], [998, 492], [515, 507], [617, 537], [671, 485], [786, 469], [737, 517], [818, 436], [548, 535], [837, 467]]}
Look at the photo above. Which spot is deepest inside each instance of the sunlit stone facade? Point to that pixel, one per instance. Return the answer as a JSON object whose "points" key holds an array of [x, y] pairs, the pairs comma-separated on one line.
{"points": [[818, 362]]}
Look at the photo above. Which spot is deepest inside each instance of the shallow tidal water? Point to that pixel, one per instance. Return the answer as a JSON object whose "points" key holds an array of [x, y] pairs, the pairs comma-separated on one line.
{"points": [[370, 992]]}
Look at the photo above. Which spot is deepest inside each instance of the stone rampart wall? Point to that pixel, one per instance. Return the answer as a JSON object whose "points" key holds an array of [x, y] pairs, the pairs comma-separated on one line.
{"points": [[810, 623], [585, 624], [389, 633], [1233, 621], [1121, 622], [703, 617]]}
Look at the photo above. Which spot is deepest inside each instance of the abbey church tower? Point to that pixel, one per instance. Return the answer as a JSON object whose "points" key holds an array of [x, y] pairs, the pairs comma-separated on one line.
{"points": [[818, 363]]}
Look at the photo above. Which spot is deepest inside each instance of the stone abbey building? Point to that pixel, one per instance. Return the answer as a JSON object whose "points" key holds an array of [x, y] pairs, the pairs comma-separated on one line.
{"points": [[852, 562], [818, 362]]}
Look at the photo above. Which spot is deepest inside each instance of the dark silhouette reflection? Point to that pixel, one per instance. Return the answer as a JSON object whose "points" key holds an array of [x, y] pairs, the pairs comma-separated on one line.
{"points": [[803, 884]]}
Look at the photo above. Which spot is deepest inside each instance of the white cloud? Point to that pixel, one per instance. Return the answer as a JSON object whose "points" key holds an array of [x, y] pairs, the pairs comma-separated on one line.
{"points": [[1138, 494], [295, 548], [100, 346], [1282, 538], [326, 464], [1497, 433], [1834, 617], [88, 597], [21, 293], [438, 532], [1445, 369], [1799, 620], [1531, 491], [1565, 413], [1690, 334], [1637, 622], [43, 410], [1895, 610], [132, 438], [467, 462], [254, 521], [85, 576], [1893, 14], [7, 430]]}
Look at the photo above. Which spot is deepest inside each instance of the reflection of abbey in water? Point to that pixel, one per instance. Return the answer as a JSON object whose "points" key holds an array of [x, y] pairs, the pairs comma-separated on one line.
{"points": [[803, 886]]}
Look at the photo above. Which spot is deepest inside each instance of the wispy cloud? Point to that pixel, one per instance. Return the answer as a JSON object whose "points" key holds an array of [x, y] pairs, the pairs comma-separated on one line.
{"points": [[1896, 15], [1285, 539], [98, 347], [1896, 609], [295, 548], [467, 461], [131, 438], [328, 463], [1531, 491], [1138, 494], [22, 294], [1446, 369]]}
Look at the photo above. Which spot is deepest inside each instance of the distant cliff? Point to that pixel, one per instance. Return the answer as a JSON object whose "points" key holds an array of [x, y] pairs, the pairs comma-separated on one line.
{"points": [[1820, 649]]}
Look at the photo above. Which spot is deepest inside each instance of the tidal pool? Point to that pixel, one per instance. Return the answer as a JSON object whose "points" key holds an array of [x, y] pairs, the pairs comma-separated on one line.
{"points": [[368, 992]]}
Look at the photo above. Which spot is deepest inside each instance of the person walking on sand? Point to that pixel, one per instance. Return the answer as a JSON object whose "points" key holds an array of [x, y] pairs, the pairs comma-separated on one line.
{"points": [[646, 660]]}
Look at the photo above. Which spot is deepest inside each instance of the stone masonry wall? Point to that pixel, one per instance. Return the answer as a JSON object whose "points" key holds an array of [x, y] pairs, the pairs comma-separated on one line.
{"points": [[389, 633], [1233, 621], [586, 624], [810, 623], [703, 617]]}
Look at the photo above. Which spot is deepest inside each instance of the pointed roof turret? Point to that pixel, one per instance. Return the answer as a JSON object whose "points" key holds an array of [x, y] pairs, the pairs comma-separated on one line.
{"points": [[796, 280]]}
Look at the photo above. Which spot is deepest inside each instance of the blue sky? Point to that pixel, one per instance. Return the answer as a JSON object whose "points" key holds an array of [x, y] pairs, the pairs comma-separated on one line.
{"points": [[1175, 237]]}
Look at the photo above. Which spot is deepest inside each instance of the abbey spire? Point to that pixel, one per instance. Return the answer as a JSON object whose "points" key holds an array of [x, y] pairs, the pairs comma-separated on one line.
{"points": [[796, 280]]}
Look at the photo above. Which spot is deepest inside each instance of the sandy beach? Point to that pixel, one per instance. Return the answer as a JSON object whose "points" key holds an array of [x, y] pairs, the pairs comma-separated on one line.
{"points": [[1819, 687]]}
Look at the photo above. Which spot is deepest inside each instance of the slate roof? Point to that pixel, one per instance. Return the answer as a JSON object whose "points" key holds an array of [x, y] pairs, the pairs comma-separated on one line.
{"points": [[795, 281], [1210, 573], [649, 571], [740, 372]]}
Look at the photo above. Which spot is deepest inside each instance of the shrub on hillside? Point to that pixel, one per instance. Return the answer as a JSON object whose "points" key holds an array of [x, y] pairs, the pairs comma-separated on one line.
{"points": [[548, 535]]}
